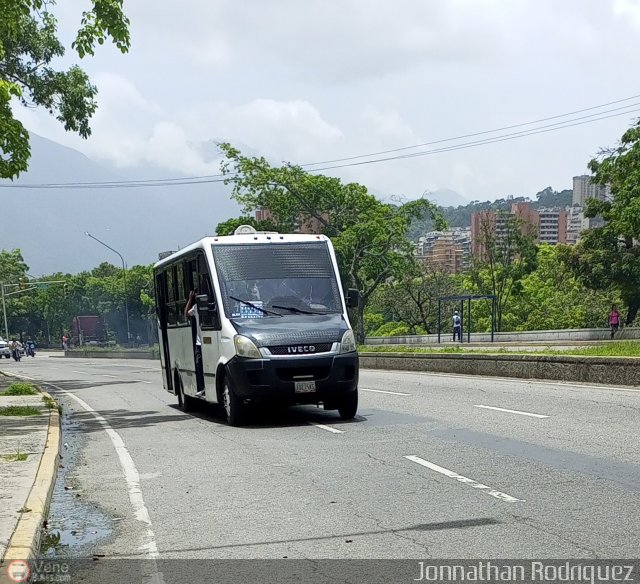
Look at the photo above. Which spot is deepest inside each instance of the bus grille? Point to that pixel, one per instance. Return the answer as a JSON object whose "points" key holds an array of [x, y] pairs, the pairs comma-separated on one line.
{"points": [[310, 349]]}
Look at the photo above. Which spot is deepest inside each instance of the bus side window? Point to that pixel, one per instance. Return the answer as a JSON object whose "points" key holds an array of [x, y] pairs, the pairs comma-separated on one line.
{"points": [[161, 298], [181, 294], [171, 295]]}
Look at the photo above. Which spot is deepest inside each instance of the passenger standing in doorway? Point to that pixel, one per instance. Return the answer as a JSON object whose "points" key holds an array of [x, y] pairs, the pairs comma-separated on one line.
{"points": [[191, 312], [614, 320], [457, 326]]}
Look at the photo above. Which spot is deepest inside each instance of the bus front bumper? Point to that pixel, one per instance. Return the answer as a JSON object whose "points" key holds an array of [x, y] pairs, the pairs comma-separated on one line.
{"points": [[287, 381]]}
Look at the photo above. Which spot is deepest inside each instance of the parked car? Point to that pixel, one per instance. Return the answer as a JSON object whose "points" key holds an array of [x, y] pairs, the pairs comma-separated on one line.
{"points": [[4, 349]]}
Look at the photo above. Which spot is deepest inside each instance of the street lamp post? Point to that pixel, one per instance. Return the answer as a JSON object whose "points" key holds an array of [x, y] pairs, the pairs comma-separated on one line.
{"points": [[4, 312], [124, 277]]}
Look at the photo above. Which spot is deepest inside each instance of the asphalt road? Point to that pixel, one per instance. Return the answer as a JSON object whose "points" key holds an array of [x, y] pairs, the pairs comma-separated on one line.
{"points": [[427, 470]]}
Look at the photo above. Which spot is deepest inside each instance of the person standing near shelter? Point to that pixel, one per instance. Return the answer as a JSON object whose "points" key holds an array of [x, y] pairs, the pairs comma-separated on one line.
{"points": [[614, 320], [457, 326]]}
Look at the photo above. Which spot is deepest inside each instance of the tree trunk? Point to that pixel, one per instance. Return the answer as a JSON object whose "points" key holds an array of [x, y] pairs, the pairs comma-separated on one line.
{"points": [[358, 326], [634, 306]]}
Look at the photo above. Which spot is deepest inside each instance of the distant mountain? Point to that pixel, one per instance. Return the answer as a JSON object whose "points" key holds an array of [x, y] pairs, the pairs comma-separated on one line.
{"points": [[49, 224], [447, 198]]}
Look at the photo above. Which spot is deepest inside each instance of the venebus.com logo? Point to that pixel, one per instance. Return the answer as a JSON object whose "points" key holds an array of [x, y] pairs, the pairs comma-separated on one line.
{"points": [[38, 571]]}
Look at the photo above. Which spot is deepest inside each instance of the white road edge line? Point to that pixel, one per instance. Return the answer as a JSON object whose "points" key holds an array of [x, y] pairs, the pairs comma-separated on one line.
{"points": [[142, 381], [454, 475], [131, 475], [383, 391], [511, 411], [327, 428]]}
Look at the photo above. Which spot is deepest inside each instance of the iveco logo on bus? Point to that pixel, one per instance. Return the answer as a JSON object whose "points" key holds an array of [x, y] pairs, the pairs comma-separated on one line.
{"points": [[302, 349]]}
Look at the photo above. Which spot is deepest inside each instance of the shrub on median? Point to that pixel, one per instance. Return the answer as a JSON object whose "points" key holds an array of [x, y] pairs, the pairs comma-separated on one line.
{"points": [[20, 388]]}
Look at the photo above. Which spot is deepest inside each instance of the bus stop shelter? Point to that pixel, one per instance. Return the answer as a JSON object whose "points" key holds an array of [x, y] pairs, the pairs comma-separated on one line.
{"points": [[462, 299]]}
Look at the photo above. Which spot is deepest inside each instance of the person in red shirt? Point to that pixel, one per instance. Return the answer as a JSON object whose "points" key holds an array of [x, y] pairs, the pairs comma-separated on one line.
{"points": [[614, 320]]}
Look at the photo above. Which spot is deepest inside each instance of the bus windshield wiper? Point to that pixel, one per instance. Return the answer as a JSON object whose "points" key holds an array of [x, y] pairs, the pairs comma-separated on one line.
{"points": [[294, 309], [252, 305]]}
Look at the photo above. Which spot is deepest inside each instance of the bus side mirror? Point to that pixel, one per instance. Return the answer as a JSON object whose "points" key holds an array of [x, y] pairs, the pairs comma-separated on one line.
{"points": [[208, 311], [352, 298], [202, 302]]}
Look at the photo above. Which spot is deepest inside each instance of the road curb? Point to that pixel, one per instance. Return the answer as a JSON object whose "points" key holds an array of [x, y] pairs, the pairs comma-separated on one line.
{"points": [[614, 371], [25, 541]]}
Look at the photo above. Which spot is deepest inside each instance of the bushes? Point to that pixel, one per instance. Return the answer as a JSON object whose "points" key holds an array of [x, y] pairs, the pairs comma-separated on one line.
{"points": [[19, 388], [392, 329]]}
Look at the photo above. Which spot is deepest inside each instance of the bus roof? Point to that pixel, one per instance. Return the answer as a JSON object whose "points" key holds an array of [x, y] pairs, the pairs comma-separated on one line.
{"points": [[251, 238]]}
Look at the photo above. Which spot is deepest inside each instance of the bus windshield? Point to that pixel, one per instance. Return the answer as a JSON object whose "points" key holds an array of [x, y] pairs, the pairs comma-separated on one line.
{"points": [[265, 280]]}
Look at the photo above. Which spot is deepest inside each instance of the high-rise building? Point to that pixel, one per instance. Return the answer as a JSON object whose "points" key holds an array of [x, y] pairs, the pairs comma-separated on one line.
{"points": [[584, 189], [552, 226], [448, 251], [545, 225], [576, 223]]}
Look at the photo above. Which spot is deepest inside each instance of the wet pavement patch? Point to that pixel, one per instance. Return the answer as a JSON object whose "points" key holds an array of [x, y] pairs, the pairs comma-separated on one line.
{"points": [[74, 527]]}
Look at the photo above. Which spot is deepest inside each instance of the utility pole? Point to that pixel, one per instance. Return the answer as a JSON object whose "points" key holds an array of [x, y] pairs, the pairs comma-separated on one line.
{"points": [[4, 311]]}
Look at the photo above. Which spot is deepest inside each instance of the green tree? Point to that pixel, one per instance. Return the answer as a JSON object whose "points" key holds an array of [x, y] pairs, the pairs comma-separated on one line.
{"points": [[370, 237], [412, 298], [13, 270], [228, 227], [551, 297], [609, 256], [508, 254], [28, 46]]}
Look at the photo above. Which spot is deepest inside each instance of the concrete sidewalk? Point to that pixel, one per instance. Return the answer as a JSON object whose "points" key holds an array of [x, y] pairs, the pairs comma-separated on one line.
{"points": [[28, 466]]}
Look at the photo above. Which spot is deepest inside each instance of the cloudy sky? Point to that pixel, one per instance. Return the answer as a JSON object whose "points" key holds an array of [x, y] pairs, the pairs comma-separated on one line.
{"points": [[316, 80]]}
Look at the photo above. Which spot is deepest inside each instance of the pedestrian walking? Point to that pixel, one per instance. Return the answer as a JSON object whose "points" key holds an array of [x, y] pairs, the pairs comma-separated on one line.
{"points": [[65, 342], [614, 320], [457, 326]]}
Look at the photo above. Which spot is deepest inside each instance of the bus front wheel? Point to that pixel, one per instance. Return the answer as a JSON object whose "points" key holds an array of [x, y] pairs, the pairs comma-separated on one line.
{"points": [[349, 406], [234, 408]]}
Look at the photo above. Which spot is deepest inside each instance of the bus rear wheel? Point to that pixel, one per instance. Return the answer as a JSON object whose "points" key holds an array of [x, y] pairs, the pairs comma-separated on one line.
{"points": [[349, 406], [234, 408], [185, 402]]}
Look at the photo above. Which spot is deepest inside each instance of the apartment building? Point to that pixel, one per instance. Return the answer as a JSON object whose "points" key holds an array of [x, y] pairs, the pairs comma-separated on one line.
{"points": [[584, 189], [545, 225], [552, 226], [448, 251]]}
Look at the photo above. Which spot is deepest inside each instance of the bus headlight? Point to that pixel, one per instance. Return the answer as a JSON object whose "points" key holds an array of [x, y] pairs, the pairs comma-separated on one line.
{"points": [[348, 343], [245, 347]]}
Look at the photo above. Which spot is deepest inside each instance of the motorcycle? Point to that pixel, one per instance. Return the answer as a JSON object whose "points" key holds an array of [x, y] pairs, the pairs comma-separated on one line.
{"points": [[16, 354], [31, 352]]}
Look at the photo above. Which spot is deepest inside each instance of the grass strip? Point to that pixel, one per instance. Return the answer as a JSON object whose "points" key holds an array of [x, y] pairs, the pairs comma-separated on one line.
{"points": [[19, 411], [608, 349]]}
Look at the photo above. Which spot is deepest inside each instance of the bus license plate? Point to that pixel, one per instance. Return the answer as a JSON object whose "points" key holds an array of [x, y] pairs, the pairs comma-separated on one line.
{"points": [[305, 386]]}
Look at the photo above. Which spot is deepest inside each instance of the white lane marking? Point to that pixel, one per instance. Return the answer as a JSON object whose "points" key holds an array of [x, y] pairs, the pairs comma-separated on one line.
{"points": [[76, 371], [383, 391], [511, 411], [105, 375], [327, 428], [454, 475], [131, 475], [142, 381], [513, 379]]}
